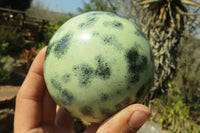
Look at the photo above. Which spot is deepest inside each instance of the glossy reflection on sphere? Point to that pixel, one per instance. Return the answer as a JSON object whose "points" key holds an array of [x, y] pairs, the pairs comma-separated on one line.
{"points": [[96, 64]]}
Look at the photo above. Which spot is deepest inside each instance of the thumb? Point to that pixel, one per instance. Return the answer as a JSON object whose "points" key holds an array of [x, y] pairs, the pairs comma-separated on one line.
{"points": [[128, 120]]}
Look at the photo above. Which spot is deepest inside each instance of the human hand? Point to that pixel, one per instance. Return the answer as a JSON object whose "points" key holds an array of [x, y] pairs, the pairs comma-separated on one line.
{"points": [[36, 111]]}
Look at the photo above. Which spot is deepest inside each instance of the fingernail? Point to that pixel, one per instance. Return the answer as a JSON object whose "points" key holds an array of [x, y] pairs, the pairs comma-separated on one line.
{"points": [[138, 119]]}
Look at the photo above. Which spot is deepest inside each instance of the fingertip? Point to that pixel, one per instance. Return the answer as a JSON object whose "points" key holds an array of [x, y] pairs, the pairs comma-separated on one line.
{"points": [[37, 65], [130, 119], [44, 49], [29, 96], [137, 119], [140, 107]]}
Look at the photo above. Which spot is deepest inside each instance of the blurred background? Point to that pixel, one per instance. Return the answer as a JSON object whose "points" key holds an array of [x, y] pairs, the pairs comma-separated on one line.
{"points": [[171, 26]]}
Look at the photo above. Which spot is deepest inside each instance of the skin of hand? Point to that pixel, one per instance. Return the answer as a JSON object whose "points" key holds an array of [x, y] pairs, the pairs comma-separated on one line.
{"points": [[36, 112]]}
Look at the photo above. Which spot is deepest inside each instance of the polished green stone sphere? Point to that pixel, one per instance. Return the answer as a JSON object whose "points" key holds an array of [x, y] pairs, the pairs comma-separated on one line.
{"points": [[96, 64]]}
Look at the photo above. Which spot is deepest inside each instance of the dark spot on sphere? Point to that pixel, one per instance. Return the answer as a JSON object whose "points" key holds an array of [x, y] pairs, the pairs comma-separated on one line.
{"points": [[118, 92], [128, 87], [143, 63], [134, 68], [136, 64], [111, 40], [66, 78], [123, 103], [89, 22], [67, 97], [95, 34], [84, 72], [87, 111], [104, 97], [56, 84], [94, 14], [134, 78], [117, 24], [106, 112], [103, 69], [108, 39], [61, 46], [114, 24], [132, 56]]}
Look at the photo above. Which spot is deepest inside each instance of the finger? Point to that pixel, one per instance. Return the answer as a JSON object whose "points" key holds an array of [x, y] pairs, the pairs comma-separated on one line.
{"points": [[64, 122], [48, 109], [28, 101], [128, 120]]}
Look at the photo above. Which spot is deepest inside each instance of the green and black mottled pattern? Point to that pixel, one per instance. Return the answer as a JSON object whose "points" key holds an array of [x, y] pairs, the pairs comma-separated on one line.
{"points": [[66, 77], [56, 84], [136, 64], [103, 69], [87, 110], [104, 97], [89, 22], [66, 96], [85, 73], [143, 63], [62, 45], [118, 92], [113, 24], [109, 39], [134, 77], [94, 14], [95, 34]]}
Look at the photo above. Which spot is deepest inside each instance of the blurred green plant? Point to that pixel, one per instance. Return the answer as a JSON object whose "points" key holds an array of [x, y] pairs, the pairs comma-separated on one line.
{"points": [[40, 46], [4, 73], [11, 45], [188, 75], [47, 36], [4, 46], [11, 42], [62, 20], [50, 31], [97, 5], [52, 28], [173, 111]]}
